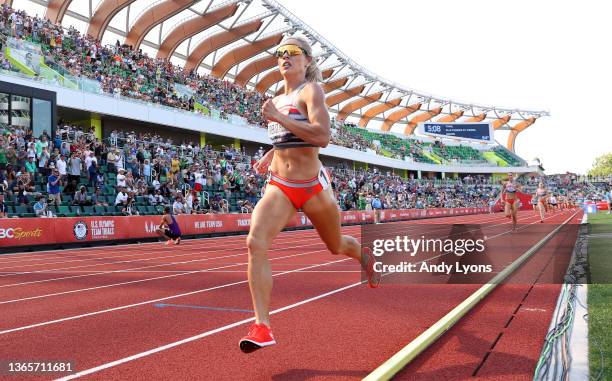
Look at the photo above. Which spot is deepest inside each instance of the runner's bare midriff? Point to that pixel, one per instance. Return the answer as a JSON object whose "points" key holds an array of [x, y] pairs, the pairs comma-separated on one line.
{"points": [[300, 163]]}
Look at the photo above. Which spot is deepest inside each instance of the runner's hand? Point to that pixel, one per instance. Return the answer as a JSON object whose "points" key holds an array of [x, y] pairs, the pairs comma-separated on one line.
{"points": [[261, 165], [269, 111]]}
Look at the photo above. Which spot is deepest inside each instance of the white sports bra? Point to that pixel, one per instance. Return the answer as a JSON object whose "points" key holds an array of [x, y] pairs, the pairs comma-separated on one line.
{"points": [[280, 136]]}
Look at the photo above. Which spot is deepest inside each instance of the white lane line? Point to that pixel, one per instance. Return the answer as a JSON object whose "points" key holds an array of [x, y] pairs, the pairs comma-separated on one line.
{"points": [[189, 252], [151, 279], [309, 234], [232, 237], [137, 249], [137, 268], [136, 304], [162, 249], [200, 336], [522, 227], [129, 245], [183, 271], [18, 329], [160, 265]]}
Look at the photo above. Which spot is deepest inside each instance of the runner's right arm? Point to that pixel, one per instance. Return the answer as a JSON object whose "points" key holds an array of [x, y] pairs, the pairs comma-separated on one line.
{"points": [[163, 222]]}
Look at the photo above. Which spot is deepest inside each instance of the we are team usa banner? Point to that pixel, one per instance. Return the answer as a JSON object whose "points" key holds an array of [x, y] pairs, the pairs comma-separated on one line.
{"points": [[480, 132]]}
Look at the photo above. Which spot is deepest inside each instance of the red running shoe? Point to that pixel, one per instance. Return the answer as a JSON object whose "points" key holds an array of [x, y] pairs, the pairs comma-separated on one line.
{"points": [[372, 275], [259, 336]]}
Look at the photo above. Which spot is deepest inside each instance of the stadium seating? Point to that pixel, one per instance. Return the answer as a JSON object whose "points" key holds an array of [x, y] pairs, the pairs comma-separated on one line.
{"points": [[508, 156], [217, 194], [70, 58]]}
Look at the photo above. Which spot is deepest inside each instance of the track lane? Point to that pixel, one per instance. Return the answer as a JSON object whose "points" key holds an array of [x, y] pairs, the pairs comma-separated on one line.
{"points": [[294, 286], [343, 344]]}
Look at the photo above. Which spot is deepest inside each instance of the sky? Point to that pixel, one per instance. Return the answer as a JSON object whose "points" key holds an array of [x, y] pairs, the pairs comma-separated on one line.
{"points": [[525, 54]]}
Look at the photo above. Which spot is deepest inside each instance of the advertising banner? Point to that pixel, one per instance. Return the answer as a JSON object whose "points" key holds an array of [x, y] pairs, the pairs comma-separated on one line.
{"points": [[46, 231]]}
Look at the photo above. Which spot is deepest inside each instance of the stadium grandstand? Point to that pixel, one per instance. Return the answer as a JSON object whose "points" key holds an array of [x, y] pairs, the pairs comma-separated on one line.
{"points": [[198, 76], [115, 114]]}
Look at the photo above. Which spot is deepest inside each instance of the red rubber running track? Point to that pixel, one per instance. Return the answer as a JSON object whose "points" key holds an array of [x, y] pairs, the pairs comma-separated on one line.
{"points": [[149, 311]]}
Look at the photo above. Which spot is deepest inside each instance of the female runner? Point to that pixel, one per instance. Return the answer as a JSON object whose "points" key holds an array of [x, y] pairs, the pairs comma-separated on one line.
{"points": [[298, 126], [534, 202], [552, 201], [509, 194], [541, 196]]}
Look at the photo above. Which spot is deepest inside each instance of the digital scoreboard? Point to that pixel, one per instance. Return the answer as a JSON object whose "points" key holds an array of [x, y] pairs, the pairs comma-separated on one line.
{"points": [[480, 132]]}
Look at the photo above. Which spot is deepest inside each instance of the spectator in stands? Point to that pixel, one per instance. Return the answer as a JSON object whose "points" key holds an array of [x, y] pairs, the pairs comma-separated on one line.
{"points": [[156, 198], [198, 207], [111, 160], [43, 161], [71, 187], [177, 206], [120, 159], [54, 187], [89, 159], [22, 198], [92, 172], [65, 150], [4, 147], [122, 197], [188, 202], [31, 151], [250, 189], [130, 182], [377, 206], [129, 209], [121, 178], [246, 206], [75, 166], [101, 180], [61, 164], [81, 198], [41, 144], [146, 169], [30, 165], [40, 208], [3, 210], [4, 187], [97, 198]]}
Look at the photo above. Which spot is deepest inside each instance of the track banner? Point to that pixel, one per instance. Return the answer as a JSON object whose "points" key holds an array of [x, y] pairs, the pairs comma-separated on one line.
{"points": [[48, 231]]}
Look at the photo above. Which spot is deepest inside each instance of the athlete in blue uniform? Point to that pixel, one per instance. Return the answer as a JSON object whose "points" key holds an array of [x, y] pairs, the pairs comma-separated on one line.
{"points": [[169, 228]]}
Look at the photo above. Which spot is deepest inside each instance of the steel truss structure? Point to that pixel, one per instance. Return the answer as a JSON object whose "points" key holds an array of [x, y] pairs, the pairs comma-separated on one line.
{"points": [[235, 40]]}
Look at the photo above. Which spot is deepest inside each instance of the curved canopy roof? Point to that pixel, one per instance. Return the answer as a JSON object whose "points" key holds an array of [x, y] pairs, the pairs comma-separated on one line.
{"points": [[235, 40]]}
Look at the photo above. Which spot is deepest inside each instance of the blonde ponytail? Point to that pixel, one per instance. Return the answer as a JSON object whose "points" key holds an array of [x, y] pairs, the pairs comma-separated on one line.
{"points": [[313, 73]]}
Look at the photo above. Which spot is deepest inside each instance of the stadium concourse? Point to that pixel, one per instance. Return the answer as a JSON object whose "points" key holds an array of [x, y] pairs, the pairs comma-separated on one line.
{"points": [[77, 172]]}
